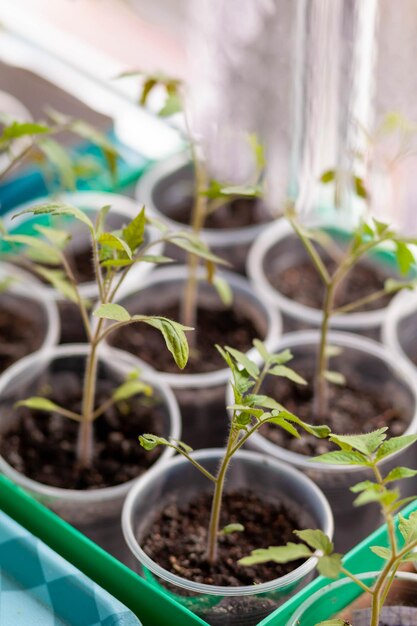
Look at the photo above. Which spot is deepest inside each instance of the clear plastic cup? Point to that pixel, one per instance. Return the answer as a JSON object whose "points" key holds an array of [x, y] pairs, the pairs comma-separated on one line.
{"points": [[97, 511], [178, 480], [334, 599], [380, 371], [278, 248], [25, 294], [170, 183], [399, 331]]}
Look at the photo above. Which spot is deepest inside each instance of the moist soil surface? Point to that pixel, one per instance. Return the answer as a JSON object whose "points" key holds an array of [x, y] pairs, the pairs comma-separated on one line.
{"points": [[302, 283], [236, 214], [19, 333], [352, 409], [177, 539], [42, 445], [224, 327]]}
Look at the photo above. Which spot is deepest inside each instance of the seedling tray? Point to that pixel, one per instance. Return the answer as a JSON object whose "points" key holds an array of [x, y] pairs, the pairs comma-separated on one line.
{"points": [[359, 559], [39, 587], [152, 607]]}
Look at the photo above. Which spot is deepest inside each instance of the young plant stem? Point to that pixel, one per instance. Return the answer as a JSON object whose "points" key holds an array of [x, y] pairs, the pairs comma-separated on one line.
{"points": [[189, 301], [213, 531]]}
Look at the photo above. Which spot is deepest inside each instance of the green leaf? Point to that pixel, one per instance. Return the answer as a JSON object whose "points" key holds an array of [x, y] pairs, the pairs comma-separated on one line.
{"points": [[336, 378], [277, 554], [192, 244], [386, 497], [408, 527], [112, 241], [36, 249], [232, 528], [282, 422], [243, 360], [342, 457], [360, 188], [399, 473], [365, 484], [131, 388], [60, 159], [405, 258], [366, 443], [287, 372], [380, 227], [39, 404], [261, 348], [393, 445], [316, 539], [174, 336], [172, 105], [58, 208], [58, 280], [391, 285], [183, 446], [101, 219], [281, 357], [114, 312], [149, 442], [58, 238], [321, 431], [381, 551], [134, 232], [16, 129], [334, 622], [223, 289], [258, 413], [328, 176], [330, 566]]}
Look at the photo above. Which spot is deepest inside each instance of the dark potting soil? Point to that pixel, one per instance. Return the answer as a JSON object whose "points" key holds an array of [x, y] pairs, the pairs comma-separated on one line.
{"points": [[176, 540], [236, 214], [71, 323], [352, 409], [224, 327], [20, 334], [302, 284], [42, 445]]}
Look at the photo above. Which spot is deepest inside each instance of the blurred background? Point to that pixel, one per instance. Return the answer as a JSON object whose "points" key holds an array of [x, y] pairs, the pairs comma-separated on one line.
{"points": [[314, 79]]}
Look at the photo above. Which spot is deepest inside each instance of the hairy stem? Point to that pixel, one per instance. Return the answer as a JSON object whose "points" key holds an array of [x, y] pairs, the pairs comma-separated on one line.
{"points": [[85, 435], [213, 531]]}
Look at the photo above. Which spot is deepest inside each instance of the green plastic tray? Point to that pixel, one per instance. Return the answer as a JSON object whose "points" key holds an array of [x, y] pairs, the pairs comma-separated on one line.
{"points": [[152, 607], [358, 560]]}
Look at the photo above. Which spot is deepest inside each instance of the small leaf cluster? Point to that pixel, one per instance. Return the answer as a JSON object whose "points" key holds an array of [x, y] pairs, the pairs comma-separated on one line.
{"points": [[40, 144], [250, 411]]}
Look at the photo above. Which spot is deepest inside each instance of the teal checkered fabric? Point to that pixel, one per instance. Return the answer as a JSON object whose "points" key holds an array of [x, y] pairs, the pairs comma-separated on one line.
{"points": [[39, 588]]}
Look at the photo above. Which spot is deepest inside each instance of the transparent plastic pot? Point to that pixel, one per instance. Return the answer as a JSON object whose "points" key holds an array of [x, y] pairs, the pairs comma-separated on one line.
{"points": [[380, 371], [344, 597], [178, 480], [23, 295], [201, 395], [122, 210], [96, 512], [399, 331], [279, 248], [169, 184]]}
